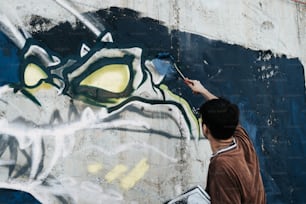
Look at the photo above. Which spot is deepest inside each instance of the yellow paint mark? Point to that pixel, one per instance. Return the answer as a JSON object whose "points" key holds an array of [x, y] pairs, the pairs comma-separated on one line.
{"points": [[113, 78], [94, 168], [42, 86], [115, 173], [32, 74], [135, 175]]}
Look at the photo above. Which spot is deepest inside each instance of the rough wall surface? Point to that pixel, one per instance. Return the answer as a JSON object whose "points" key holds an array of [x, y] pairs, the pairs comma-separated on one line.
{"points": [[85, 117]]}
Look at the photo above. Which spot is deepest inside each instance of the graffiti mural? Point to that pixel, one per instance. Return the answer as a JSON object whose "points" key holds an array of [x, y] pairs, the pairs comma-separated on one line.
{"points": [[91, 114], [57, 110]]}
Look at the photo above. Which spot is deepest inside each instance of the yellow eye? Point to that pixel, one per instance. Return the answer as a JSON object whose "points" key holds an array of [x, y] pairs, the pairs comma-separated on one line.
{"points": [[113, 78], [33, 74]]}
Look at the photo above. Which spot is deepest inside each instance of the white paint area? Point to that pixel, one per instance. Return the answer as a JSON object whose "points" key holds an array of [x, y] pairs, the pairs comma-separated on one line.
{"points": [[98, 146]]}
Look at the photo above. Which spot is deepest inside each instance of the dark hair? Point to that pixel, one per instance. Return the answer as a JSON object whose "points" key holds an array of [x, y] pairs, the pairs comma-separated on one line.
{"points": [[221, 117]]}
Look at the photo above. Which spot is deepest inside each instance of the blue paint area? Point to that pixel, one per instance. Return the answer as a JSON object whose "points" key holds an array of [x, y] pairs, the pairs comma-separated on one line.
{"points": [[269, 89], [271, 95], [8, 196], [165, 67], [9, 61]]}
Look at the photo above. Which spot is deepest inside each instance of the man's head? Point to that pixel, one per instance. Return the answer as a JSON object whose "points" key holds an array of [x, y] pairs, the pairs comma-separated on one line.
{"points": [[221, 117]]}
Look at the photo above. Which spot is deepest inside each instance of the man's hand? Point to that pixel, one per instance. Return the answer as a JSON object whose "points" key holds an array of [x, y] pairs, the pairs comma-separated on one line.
{"points": [[195, 85], [198, 88]]}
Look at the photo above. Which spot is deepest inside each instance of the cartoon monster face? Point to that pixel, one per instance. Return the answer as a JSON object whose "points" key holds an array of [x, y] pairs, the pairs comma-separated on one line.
{"points": [[105, 76], [109, 78]]}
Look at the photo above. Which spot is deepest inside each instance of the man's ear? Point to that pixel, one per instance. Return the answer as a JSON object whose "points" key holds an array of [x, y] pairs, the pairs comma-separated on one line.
{"points": [[205, 129]]}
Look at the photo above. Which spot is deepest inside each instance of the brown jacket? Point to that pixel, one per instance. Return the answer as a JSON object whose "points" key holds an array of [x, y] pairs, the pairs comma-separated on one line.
{"points": [[234, 175]]}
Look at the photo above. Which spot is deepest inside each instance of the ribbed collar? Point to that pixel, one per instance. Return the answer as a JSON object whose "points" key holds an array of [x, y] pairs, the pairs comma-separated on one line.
{"points": [[233, 145]]}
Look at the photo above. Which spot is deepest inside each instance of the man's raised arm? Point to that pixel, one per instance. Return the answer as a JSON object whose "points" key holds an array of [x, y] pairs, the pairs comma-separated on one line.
{"points": [[198, 88]]}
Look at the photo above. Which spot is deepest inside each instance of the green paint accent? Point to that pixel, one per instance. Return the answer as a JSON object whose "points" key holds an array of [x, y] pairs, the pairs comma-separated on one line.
{"points": [[30, 96], [109, 102], [185, 105]]}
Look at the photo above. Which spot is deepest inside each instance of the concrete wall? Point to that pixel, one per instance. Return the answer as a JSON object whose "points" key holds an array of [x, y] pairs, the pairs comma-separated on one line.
{"points": [[87, 118]]}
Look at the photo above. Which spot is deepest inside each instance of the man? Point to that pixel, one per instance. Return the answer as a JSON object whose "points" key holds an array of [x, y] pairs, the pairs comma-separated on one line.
{"points": [[233, 174]]}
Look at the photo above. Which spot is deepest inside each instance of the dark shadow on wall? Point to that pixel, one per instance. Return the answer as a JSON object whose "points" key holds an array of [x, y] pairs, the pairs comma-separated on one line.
{"points": [[268, 88]]}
